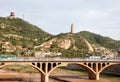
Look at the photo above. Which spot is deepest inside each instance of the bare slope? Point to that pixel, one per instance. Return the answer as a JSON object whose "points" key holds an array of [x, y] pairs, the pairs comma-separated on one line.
{"points": [[71, 45]]}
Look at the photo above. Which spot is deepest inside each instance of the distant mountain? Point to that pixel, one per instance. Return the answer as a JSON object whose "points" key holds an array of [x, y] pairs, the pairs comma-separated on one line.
{"points": [[17, 35]]}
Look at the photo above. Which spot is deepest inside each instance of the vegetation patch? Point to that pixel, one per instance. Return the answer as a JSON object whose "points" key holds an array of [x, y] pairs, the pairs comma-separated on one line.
{"points": [[20, 68]]}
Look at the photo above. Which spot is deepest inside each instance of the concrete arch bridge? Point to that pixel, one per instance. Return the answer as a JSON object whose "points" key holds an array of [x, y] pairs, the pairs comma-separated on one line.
{"points": [[47, 65]]}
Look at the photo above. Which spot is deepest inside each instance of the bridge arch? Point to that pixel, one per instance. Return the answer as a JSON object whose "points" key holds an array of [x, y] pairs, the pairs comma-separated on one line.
{"points": [[27, 64], [108, 65], [87, 68]]}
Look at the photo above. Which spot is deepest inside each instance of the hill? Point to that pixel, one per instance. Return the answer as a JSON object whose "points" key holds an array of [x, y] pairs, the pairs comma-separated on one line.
{"points": [[70, 45], [106, 46], [81, 44], [18, 36], [101, 40]]}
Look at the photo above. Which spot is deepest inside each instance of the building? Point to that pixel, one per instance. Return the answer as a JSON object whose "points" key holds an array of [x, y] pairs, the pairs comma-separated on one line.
{"points": [[12, 15], [94, 57], [46, 53]]}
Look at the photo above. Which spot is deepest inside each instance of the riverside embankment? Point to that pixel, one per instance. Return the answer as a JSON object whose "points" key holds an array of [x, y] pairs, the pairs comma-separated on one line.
{"points": [[59, 75]]}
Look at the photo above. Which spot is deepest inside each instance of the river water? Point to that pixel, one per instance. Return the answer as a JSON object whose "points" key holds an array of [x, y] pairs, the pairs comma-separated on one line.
{"points": [[9, 76]]}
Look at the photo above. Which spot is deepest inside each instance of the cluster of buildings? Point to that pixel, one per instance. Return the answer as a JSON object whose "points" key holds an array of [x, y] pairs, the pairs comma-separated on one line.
{"points": [[106, 53], [47, 54]]}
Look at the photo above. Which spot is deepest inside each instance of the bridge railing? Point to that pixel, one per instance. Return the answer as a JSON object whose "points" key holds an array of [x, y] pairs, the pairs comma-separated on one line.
{"points": [[54, 59]]}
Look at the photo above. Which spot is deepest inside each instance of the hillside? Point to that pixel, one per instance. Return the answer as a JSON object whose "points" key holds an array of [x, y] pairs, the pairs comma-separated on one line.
{"points": [[70, 45], [106, 46], [18, 36], [81, 44], [101, 40]]}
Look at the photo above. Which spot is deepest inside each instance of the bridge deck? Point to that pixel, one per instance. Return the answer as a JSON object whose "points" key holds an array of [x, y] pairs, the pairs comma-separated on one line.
{"points": [[32, 59]]}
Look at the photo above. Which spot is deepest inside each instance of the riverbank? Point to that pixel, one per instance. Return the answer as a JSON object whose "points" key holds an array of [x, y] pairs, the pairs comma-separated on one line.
{"points": [[72, 75], [58, 75]]}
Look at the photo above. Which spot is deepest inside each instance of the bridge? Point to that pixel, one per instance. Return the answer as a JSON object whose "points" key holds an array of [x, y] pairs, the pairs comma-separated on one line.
{"points": [[46, 65]]}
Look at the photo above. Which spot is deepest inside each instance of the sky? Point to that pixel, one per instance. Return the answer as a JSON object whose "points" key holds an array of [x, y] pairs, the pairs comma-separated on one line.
{"points": [[56, 16]]}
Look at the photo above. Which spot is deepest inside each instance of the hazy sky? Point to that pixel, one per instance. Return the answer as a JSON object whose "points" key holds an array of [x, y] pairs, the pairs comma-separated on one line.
{"points": [[55, 16]]}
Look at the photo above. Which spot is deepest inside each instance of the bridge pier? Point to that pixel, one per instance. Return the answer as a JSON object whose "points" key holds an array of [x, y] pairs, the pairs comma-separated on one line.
{"points": [[94, 76], [44, 77]]}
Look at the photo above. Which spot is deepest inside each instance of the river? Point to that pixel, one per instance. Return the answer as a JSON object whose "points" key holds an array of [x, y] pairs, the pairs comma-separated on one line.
{"points": [[10, 76]]}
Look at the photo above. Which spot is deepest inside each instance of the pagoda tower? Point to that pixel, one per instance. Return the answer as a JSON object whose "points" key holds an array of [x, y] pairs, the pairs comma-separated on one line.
{"points": [[72, 28]]}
